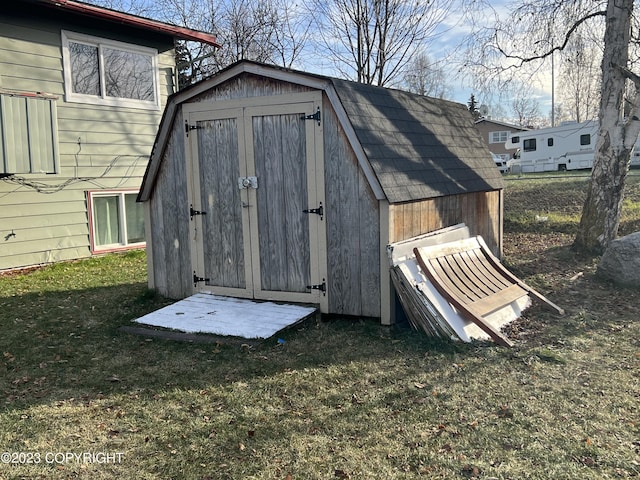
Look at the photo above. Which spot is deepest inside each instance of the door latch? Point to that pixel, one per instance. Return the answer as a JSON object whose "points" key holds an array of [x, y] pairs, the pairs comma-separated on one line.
{"points": [[317, 211], [322, 287], [247, 182]]}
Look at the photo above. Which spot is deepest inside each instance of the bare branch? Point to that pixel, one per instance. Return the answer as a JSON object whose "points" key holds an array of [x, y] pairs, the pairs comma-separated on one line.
{"points": [[549, 52]]}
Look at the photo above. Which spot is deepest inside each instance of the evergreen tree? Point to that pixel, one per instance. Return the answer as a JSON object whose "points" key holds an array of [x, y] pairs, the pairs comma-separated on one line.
{"points": [[473, 107]]}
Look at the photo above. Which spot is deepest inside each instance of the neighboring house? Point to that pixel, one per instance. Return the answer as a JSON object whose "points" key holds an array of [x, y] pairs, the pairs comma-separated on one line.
{"points": [[496, 134], [275, 184], [82, 90]]}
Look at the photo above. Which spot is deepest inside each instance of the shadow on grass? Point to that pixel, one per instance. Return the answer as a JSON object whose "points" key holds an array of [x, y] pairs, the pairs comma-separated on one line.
{"points": [[68, 344]]}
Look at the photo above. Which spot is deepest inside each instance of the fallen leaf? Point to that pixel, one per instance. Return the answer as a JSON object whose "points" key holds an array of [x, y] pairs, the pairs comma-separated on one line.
{"points": [[471, 470]]}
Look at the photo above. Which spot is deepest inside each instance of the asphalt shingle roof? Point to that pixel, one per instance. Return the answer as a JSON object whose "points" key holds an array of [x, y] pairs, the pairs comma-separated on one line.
{"points": [[419, 147]]}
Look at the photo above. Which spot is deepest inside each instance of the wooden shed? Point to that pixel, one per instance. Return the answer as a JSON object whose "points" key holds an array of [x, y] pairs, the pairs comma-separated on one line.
{"points": [[268, 183]]}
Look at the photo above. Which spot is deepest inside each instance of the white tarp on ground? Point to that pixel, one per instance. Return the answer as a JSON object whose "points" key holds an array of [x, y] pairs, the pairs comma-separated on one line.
{"points": [[227, 316]]}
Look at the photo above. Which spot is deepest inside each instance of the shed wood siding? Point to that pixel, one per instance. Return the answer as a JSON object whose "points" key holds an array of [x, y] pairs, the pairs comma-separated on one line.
{"points": [[248, 85], [222, 225], [353, 237], [392, 160], [480, 211], [108, 146], [169, 227]]}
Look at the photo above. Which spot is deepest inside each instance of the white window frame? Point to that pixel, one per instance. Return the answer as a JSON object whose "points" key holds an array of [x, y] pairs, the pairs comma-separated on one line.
{"points": [[499, 136], [91, 196], [103, 99]]}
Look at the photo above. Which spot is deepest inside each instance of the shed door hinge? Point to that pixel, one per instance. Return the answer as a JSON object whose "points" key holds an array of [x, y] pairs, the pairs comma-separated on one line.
{"points": [[193, 212], [317, 211], [322, 287], [314, 116], [188, 128], [197, 279]]}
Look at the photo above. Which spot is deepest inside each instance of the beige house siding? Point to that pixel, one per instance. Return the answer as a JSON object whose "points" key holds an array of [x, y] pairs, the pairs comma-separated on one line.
{"points": [[44, 218], [487, 127]]}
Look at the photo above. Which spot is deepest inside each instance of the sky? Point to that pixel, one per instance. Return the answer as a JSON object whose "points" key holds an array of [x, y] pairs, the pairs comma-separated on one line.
{"points": [[457, 27], [448, 37]]}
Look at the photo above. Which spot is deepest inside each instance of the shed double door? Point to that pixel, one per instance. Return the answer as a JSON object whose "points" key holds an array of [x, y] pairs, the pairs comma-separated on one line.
{"points": [[257, 189]]}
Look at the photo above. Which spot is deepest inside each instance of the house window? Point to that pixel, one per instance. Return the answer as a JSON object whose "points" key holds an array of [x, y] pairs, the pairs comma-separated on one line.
{"points": [[106, 72], [529, 145], [585, 139], [116, 220], [28, 134], [498, 137]]}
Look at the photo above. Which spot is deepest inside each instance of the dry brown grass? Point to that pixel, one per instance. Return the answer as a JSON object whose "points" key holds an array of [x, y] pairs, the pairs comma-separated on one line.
{"points": [[342, 398]]}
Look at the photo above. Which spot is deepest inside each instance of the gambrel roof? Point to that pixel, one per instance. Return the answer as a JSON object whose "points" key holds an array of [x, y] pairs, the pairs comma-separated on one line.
{"points": [[410, 147]]}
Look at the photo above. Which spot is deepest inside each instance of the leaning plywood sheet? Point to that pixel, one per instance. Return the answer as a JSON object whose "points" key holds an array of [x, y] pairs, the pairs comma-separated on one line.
{"points": [[214, 314]]}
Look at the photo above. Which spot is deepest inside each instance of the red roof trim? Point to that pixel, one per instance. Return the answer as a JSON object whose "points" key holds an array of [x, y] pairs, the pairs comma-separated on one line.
{"points": [[134, 20]]}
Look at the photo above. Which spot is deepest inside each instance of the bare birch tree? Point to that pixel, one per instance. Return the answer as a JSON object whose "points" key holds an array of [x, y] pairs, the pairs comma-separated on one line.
{"points": [[269, 31], [579, 79], [526, 109], [372, 41], [531, 35], [425, 77]]}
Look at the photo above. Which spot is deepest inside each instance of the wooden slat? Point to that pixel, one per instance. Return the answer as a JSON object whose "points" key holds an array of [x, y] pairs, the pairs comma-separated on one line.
{"points": [[467, 265], [470, 281], [481, 265], [442, 275], [442, 283], [507, 274], [492, 303]]}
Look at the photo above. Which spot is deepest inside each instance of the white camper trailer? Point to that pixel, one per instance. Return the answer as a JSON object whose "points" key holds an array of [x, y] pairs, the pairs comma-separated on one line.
{"points": [[567, 147], [570, 146]]}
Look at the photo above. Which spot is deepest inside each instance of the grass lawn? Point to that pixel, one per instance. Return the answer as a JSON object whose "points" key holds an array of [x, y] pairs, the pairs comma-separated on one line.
{"points": [[341, 398]]}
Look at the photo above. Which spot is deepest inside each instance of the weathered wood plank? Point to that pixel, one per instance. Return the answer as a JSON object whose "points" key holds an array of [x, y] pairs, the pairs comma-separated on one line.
{"points": [[220, 198], [481, 211], [491, 303], [267, 141], [294, 163], [369, 249], [280, 161]]}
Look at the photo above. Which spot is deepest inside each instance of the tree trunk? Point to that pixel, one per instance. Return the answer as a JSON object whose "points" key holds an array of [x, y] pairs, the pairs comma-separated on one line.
{"points": [[617, 135]]}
